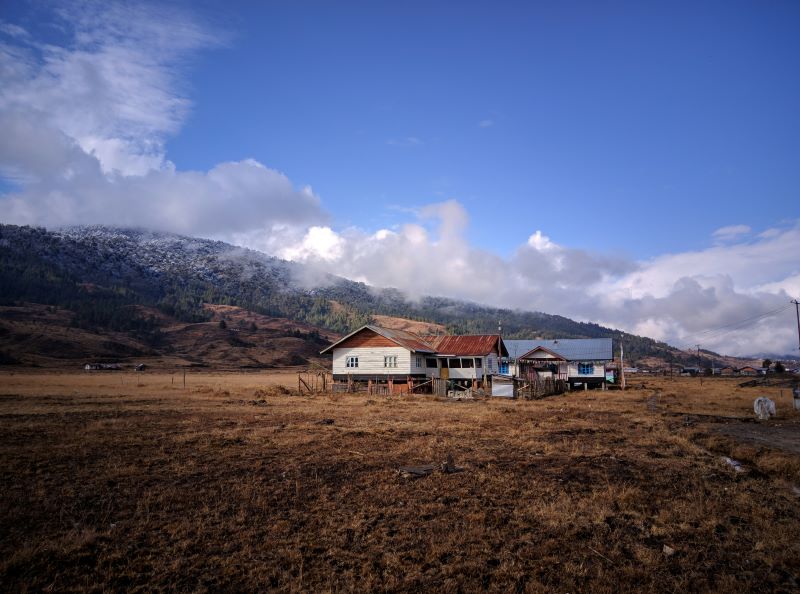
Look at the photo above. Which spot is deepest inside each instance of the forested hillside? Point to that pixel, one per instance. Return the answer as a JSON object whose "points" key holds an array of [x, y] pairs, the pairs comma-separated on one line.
{"points": [[95, 272]]}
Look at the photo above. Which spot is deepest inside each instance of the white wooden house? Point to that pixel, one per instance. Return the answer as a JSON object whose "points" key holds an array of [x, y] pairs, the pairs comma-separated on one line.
{"points": [[376, 353]]}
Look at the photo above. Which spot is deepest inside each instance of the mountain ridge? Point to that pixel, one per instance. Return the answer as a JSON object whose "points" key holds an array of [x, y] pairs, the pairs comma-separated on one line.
{"points": [[96, 270]]}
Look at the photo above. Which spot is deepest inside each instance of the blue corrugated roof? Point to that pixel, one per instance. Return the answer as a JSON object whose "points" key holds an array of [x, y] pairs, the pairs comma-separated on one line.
{"points": [[572, 349]]}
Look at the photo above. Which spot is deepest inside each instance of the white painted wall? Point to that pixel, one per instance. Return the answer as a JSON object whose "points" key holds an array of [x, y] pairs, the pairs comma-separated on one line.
{"points": [[458, 372], [599, 371], [370, 361], [464, 373]]}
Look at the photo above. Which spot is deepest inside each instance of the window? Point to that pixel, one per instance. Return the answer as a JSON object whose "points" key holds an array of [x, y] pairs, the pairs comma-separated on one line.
{"points": [[390, 361], [351, 362], [478, 363], [444, 363], [466, 362], [585, 368], [419, 361], [430, 363], [455, 363]]}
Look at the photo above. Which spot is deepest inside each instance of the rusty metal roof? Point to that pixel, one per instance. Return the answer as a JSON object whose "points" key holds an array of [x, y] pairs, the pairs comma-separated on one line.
{"points": [[467, 345], [457, 346]]}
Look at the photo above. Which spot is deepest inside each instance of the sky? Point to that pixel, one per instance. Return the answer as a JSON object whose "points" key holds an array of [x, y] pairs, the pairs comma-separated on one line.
{"points": [[626, 163]]}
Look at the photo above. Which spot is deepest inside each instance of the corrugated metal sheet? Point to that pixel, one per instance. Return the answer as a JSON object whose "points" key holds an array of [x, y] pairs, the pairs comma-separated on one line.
{"points": [[404, 339], [502, 386], [467, 345], [572, 349], [459, 346]]}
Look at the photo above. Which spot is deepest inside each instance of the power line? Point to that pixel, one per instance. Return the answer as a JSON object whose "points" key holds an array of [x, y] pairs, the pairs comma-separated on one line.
{"points": [[722, 330]]}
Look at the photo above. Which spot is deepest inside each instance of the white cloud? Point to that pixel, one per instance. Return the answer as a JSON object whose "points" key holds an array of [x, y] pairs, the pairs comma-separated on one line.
{"points": [[113, 87], [725, 234], [320, 242], [541, 243], [676, 297], [83, 128], [486, 123], [13, 30]]}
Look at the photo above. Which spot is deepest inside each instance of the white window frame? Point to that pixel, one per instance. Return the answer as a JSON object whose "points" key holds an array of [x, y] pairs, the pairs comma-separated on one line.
{"points": [[390, 361], [419, 361], [351, 362], [585, 368]]}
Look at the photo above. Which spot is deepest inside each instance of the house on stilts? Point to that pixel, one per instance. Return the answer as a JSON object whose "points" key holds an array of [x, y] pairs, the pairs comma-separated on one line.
{"points": [[373, 354]]}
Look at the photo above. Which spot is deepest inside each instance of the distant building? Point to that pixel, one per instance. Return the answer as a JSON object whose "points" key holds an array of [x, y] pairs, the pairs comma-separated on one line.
{"points": [[102, 367]]}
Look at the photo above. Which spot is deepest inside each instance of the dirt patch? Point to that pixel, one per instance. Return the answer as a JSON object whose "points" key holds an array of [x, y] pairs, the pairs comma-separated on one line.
{"points": [[779, 435]]}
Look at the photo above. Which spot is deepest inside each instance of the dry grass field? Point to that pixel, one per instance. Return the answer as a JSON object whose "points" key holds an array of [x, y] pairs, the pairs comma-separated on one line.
{"points": [[118, 482]]}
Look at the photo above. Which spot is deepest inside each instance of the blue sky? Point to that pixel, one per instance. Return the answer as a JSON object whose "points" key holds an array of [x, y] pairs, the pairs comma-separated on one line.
{"points": [[592, 113], [634, 164]]}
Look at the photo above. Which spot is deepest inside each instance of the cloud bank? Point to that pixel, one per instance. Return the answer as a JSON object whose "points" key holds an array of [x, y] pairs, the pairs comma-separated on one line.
{"points": [[83, 128], [679, 298]]}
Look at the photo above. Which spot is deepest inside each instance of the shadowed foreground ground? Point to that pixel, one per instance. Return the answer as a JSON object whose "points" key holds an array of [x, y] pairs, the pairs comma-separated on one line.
{"points": [[231, 484]]}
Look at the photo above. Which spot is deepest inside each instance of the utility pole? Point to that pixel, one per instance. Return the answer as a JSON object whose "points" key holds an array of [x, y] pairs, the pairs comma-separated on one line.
{"points": [[797, 311], [499, 348], [621, 363], [698, 358]]}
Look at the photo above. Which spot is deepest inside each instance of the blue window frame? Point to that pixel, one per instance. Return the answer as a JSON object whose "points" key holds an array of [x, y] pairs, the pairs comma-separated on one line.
{"points": [[585, 368]]}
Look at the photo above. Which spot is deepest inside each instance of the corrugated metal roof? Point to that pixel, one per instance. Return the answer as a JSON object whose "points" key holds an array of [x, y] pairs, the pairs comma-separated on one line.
{"points": [[572, 349], [405, 339], [467, 345]]}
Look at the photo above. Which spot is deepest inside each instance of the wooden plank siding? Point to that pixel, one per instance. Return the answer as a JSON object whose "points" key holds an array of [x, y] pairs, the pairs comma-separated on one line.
{"points": [[371, 361], [367, 338]]}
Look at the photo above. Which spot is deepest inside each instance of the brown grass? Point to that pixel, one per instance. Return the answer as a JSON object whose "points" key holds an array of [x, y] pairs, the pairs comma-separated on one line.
{"points": [[232, 484]]}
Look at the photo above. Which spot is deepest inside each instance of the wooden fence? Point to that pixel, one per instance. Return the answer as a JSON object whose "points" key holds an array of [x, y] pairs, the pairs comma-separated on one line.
{"points": [[530, 389], [314, 382]]}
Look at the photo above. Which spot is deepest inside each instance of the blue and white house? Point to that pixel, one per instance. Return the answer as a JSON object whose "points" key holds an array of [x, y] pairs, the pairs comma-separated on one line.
{"points": [[578, 361]]}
